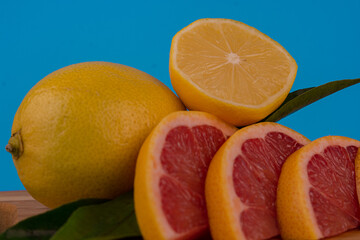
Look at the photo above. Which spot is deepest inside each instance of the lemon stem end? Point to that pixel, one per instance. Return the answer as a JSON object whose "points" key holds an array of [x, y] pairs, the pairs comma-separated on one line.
{"points": [[14, 145], [9, 148]]}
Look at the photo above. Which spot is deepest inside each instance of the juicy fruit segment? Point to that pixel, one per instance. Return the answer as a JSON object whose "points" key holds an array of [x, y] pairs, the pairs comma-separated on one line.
{"points": [[185, 158], [80, 128], [170, 175], [233, 70], [332, 193], [317, 192], [242, 181], [357, 173], [260, 165]]}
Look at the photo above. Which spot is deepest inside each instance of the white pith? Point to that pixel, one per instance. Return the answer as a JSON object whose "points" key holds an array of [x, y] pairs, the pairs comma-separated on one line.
{"points": [[233, 58]]}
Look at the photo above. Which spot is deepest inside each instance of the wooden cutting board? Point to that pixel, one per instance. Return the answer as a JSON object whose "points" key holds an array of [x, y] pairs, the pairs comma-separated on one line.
{"points": [[27, 207]]}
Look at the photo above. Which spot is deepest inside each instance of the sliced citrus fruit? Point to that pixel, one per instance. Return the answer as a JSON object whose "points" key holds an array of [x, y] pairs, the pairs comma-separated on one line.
{"points": [[230, 69], [357, 174], [242, 180], [316, 195], [170, 175]]}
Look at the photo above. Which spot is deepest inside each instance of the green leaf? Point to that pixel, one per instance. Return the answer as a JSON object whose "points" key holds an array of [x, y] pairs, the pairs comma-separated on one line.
{"points": [[43, 226], [111, 220], [303, 97]]}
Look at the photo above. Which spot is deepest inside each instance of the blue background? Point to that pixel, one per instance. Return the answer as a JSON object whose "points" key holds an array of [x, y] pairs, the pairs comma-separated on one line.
{"points": [[39, 37]]}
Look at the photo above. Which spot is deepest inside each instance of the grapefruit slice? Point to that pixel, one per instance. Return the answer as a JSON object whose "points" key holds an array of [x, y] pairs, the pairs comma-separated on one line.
{"points": [[357, 174], [317, 192], [232, 70], [242, 181], [170, 175]]}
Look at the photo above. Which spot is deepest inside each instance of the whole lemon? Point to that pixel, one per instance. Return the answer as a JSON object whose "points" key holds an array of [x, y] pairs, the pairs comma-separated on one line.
{"points": [[78, 131]]}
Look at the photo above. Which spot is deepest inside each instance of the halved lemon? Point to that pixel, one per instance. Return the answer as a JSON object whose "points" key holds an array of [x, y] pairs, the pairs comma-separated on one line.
{"points": [[230, 69]]}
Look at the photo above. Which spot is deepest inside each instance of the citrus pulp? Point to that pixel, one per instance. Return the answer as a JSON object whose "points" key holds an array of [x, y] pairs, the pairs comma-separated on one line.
{"points": [[170, 175], [242, 180], [230, 69], [316, 195]]}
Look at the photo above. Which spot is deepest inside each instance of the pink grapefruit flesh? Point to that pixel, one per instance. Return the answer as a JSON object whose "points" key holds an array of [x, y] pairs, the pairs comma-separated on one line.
{"points": [[255, 174], [333, 190], [170, 175], [185, 159]]}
